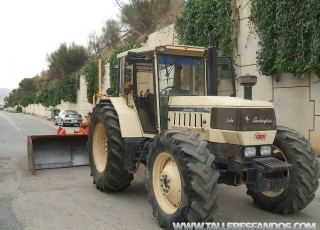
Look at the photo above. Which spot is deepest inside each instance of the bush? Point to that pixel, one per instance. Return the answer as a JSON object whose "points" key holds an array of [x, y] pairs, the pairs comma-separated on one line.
{"points": [[19, 109]]}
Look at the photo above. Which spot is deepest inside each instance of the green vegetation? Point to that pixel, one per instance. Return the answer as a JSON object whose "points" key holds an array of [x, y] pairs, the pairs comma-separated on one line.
{"points": [[289, 34], [192, 25], [90, 72], [289, 37], [18, 109], [66, 60], [65, 90]]}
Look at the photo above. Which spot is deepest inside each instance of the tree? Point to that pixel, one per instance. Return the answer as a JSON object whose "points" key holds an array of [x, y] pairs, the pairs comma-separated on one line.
{"points": [[109, 38], [66, 60], [95, 44], [111, 33], [142, 17]]}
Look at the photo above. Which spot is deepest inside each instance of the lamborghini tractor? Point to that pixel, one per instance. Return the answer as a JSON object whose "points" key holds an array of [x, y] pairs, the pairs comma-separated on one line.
{"points": [[166, 114]]}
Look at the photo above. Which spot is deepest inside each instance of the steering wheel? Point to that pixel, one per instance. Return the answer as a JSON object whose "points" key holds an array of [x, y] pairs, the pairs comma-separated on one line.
{"points": [[169, 87], [163, 91]]}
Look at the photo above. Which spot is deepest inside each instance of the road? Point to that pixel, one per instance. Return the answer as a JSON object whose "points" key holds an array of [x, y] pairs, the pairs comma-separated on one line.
{"points": [[66, 198]]}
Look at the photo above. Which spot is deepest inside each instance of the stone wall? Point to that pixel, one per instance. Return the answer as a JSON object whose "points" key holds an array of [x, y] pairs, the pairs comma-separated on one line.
{"points": [[296, 100]]}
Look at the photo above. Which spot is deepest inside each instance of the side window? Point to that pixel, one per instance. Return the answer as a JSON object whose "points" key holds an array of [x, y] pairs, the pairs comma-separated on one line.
{"points": [[145, 98], [122, 75]]}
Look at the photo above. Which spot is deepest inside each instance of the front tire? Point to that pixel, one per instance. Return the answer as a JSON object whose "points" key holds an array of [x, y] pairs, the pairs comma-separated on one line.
{"points": [[181, 178], [292, 147], [106, 150]]}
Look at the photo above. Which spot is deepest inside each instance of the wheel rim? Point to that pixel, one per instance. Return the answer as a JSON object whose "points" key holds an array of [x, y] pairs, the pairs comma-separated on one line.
{"points": [[166, 183], [277, 153], [99, 147]]}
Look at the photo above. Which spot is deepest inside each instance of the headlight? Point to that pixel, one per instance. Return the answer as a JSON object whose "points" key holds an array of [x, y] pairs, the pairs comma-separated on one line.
{"points": [[249, 151], [265, 150]]}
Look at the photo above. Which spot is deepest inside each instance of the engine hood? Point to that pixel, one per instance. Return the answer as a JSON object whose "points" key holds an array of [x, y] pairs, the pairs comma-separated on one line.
{"points": [[215, 101]]}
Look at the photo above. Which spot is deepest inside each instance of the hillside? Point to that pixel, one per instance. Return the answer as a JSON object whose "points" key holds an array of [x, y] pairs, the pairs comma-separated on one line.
{"points": [[4, 92]]}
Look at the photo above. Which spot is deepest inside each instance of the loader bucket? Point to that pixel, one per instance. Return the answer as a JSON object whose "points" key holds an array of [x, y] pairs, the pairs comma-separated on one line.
{"points": [[56, 151]]}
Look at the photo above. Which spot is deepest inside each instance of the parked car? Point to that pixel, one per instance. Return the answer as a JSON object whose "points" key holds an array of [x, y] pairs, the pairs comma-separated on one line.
{"points": [[68, 117]]}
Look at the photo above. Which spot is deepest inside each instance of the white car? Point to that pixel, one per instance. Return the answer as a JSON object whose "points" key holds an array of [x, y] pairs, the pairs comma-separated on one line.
{"points": [[68, 117]]}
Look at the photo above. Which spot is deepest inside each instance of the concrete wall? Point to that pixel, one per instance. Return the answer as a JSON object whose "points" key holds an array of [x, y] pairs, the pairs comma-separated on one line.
{"points": [[82, 105], [296, 100]]}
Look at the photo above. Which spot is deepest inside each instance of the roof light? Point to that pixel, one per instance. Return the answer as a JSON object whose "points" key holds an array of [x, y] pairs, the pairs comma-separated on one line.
{"points": [[161, 49]]}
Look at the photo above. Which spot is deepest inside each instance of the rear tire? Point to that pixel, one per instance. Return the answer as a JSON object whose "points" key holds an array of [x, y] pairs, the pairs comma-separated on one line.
{"points": [[181, 178], [55, 122], [106, 150], [292, 147], [62, 123]]}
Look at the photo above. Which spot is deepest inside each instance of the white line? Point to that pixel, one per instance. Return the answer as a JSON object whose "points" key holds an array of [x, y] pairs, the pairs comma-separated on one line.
{"points": [[14, 124]]}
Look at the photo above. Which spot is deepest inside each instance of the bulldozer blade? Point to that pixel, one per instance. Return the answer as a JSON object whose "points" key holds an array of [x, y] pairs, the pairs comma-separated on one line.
{"points": [[55, 151]]}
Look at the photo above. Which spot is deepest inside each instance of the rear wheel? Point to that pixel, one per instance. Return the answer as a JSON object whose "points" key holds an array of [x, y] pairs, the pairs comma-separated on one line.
{"points": [[106, 150], [181, 178], [62, 123], [292, 147], [55, 121]]}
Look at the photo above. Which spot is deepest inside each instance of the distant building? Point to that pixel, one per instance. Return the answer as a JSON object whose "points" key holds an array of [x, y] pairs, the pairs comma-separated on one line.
{"points": [[1, 103]]}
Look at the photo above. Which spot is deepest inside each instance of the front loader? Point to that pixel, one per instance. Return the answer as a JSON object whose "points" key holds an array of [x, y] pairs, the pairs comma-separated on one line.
{"points": [[58, 151], [63, 149], [166, 115]]}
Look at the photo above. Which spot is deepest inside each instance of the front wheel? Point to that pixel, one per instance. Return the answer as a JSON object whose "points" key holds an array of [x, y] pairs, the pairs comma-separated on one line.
{"points": [[181, 178], [106, 150], [290, 146]]}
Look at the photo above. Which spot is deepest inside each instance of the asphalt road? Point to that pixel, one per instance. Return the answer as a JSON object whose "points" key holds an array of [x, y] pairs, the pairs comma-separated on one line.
{"points": [[66, 198]]}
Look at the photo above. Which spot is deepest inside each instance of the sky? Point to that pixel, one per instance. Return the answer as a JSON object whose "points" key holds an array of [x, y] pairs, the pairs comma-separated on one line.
{"points": [[29, 30]]}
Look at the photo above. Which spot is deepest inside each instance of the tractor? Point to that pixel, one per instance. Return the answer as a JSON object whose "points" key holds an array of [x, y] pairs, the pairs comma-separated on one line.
{"points": [[166, 114]]}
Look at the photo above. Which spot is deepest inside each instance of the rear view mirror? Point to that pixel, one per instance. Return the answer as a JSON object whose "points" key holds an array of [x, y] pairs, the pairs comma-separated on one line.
{"points": [[131, 56]]}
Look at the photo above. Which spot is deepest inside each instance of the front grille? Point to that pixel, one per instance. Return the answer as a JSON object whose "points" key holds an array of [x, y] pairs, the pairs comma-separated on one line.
{"points": [[272, 164], [192, 120], [243, 119]]}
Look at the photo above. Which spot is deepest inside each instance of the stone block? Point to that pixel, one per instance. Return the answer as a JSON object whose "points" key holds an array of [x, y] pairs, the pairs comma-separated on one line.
{"points": [[315, 135], [294, 109], [289, 80], [315, 93]]}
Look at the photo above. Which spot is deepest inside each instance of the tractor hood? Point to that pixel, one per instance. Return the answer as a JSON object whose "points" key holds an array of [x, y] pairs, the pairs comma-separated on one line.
{"points": [[215, 101], [224, 119]]}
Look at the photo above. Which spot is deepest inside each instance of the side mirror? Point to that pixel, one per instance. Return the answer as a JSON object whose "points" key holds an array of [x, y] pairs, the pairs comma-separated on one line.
{"points": [[109, 91], [225, 66], [131, 57]]}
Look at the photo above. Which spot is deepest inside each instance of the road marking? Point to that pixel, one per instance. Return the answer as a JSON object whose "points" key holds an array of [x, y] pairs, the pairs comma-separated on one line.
{"points": [[14, 124]]}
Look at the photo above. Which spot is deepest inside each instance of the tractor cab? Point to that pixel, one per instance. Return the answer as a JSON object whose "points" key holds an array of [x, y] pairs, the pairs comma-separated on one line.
{"points": [[155, 74]]}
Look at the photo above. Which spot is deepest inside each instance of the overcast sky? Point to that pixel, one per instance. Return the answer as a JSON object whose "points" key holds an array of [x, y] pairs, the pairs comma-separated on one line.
{"points": [[31, 29]]}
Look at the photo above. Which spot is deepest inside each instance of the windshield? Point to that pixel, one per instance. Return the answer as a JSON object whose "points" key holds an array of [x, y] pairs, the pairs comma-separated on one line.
{"points": [[181, 75]]}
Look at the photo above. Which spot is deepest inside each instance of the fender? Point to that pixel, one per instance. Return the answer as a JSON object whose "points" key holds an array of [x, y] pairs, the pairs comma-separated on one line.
{"points": [[128, 118]]}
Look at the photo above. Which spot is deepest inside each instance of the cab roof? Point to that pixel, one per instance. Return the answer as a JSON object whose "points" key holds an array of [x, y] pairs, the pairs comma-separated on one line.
{"points": [[194, 51]]}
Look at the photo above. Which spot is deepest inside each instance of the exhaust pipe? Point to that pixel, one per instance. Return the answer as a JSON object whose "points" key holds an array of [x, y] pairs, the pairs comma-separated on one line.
{"points": [[212, 65], [248, 81]]}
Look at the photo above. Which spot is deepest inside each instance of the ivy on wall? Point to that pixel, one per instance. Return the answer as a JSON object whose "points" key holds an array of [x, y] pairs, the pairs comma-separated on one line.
{"points": [[197, 15], [114, 61], [91, 72], [289, 34], [65, 89], [31, 98]]}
